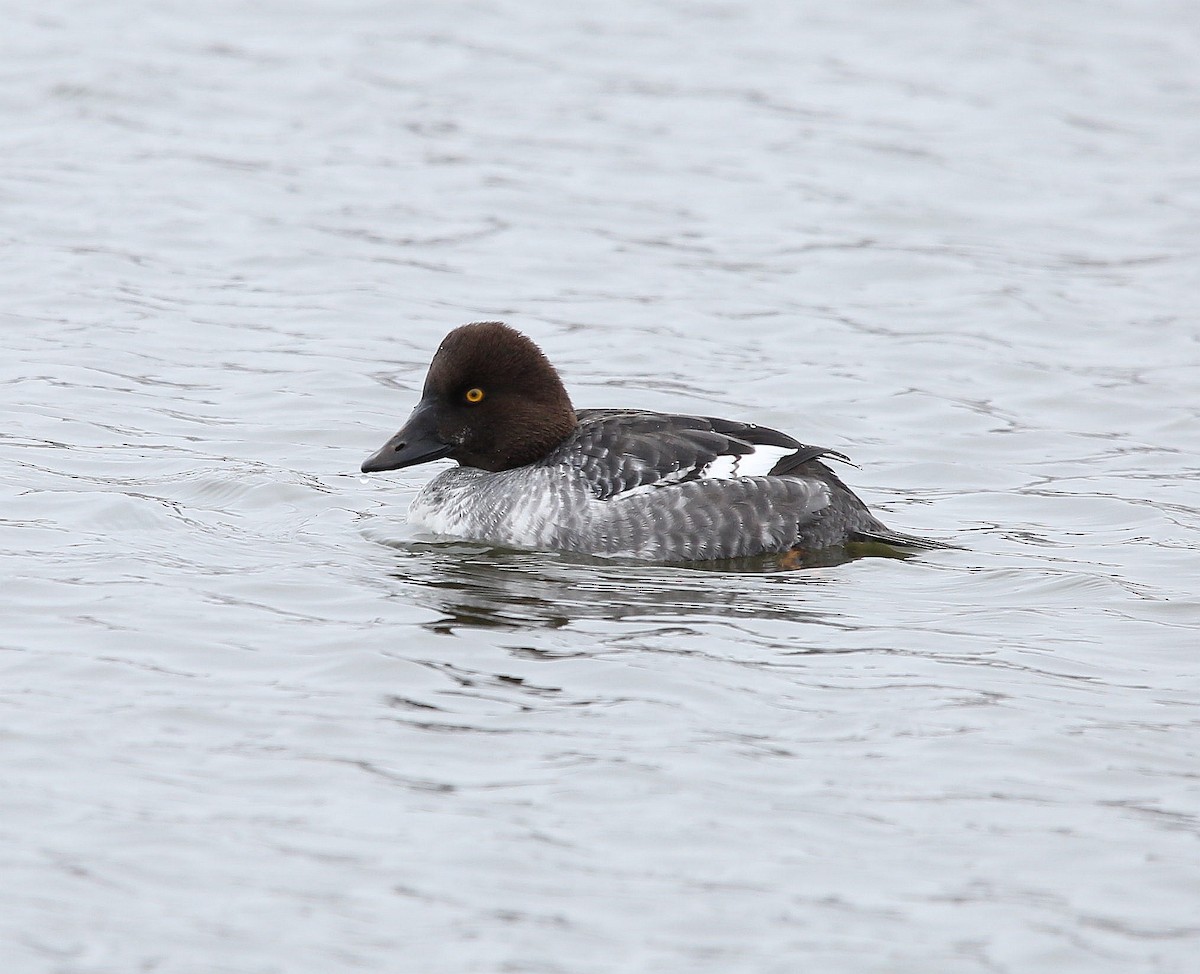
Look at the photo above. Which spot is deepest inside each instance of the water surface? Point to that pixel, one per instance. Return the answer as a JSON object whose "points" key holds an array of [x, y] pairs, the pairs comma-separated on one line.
{"points": [[253, 723]]}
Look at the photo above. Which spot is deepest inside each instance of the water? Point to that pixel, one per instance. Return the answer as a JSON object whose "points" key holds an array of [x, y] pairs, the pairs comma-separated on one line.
{"points": [[251, 723]]}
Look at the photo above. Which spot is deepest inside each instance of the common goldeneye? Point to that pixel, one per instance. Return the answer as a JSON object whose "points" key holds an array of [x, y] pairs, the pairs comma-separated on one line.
{"points": [[533, 472]]}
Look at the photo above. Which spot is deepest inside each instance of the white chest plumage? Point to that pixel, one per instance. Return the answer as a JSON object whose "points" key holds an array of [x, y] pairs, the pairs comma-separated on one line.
{"points": [[527, 507]]}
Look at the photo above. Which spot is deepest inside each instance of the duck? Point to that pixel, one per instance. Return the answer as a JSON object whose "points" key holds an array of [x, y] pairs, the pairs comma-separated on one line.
{"points": [[533, 472]]}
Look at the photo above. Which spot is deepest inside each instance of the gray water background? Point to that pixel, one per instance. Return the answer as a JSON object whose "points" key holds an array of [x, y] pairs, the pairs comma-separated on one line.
{"points": [[250, 722]]}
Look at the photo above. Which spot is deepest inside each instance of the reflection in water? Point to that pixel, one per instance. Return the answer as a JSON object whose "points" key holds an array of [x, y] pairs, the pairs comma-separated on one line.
{"points": [[479, 586]]}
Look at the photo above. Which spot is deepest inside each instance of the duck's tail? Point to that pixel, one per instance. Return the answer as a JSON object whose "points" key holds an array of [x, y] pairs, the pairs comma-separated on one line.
{"points": [[887, 536]]}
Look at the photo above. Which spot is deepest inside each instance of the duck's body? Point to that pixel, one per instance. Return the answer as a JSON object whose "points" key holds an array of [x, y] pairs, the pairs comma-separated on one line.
{"points": [[534, 473]]}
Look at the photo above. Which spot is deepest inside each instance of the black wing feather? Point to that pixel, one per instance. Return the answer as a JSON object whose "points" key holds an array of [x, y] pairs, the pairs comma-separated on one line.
{"points": [[625, 449]]}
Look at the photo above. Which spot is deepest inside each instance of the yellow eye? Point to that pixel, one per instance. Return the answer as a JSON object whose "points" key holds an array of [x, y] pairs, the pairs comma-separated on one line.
{"points": [[474, 395]]}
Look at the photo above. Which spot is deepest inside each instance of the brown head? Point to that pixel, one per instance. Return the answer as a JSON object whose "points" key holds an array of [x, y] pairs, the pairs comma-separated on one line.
{"points": [[491, 400]]}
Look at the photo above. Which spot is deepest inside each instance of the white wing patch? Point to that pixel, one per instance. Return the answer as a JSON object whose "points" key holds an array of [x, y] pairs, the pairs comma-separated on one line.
{"points": [[758, 463], [728, 466]]}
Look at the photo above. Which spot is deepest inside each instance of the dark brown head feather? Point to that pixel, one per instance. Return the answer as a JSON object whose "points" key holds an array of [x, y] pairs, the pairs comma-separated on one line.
{"points": [[525, 411]]}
